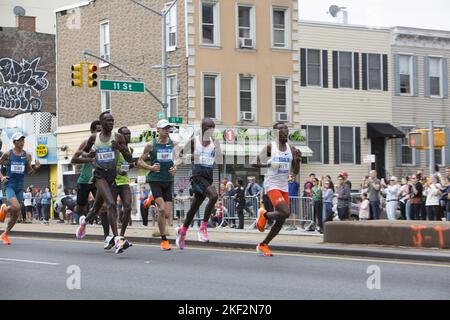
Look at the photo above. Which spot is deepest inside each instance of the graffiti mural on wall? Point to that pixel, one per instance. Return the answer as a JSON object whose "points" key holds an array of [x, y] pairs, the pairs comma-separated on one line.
{"points": [[23, 80]]}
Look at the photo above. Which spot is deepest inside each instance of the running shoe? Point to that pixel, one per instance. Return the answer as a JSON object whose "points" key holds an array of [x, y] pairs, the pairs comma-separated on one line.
{"points": [[109, 243], [81, 230], [165, 245], [263, 249], [5, 239], [203, 234], [261, 223], [181, 237], [121, 244], [3, 213]]}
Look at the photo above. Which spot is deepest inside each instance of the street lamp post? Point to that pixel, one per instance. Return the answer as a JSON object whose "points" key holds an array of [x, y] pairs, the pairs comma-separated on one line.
{"points": [[164, 67]]}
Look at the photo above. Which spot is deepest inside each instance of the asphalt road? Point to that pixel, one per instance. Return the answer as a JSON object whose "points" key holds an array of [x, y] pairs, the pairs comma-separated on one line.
{"points": [[38, 269]]}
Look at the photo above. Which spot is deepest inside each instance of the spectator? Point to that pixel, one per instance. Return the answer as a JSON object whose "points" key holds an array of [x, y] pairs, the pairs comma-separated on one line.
{"points": [[433, 193], [180, 201], [346, 180], [316, 194], [327, 195], [252, 193], [46, 204], [144, 209], [294, 187], [229, 203], [308, 186], [393, 191], [416, 198], [343, 195], [28, 203], [374, 190], [220, 213], [447, 198], [38, 204], [69, 204], [364, 208], [405, 206], [239, 197]]}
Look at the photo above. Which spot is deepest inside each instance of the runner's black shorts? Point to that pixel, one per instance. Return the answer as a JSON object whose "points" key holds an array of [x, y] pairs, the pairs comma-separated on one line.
{"points": [[83, 193], [200, 184], [108, 175], [162, 190]]}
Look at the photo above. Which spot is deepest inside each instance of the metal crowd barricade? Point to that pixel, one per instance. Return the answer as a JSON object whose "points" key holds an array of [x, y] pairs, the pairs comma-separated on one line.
{"points": [[302, 212]]}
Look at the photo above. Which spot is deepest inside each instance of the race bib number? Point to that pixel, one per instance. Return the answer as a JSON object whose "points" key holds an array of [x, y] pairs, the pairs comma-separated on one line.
{"points": [[206, 161], [125, 167], [106, 156], [18, 168], [165, 156], [282, 164]]}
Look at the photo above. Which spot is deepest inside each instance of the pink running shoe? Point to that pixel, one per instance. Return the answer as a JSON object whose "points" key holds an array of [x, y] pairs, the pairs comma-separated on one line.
{"points": [[203, 233], [181, 237], [81, 230]]}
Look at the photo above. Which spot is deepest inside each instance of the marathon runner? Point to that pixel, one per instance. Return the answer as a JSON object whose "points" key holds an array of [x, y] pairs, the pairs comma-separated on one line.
{"points": [[17, 162], [280, 158], [85, 181], [122, 184], [106, 147], [204, 152], [161, 176]]}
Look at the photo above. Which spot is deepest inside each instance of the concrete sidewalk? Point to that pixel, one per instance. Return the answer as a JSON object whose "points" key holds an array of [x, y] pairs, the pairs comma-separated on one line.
{"points": [[287, 241]]}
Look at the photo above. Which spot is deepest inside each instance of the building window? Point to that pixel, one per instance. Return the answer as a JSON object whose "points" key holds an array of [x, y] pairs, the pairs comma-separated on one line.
{"points": [[210, 24], [172, 96], [345, 70], [438, 156], [405, 70], [211, 96], [106, 101], [314, 68], [105, 50], [246, 26], [246, 98], [280, 27], [282, 99], [435, 76], [375, 72], [347, 144], [171, 27], [408, 154], [315, 139]]}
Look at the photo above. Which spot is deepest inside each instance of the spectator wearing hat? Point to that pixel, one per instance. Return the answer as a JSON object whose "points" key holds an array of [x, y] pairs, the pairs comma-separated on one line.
{"points": [[347, 182], [343, 196]]}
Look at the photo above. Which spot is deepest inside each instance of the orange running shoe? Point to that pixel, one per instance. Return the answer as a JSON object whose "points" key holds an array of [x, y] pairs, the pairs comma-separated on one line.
{"points": [[264, 250], [165, 245], [5, 239], [3, 213], [148, 201], [262, 221]]}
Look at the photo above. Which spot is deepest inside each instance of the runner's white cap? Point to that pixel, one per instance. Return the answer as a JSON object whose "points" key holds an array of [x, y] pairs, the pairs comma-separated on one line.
{"points": [[17, 136], [163, 123]]}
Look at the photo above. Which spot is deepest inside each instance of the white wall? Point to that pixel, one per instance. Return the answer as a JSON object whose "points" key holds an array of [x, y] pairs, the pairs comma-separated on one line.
{"points": [[42, 10]]}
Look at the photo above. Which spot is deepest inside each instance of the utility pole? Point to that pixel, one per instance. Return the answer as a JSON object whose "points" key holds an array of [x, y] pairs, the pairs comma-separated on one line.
{"points": [[432, 154], [164, 66]]}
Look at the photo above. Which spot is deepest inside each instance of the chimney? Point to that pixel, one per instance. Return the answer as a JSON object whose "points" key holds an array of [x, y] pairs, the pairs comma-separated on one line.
{"points": [[24, 23]]}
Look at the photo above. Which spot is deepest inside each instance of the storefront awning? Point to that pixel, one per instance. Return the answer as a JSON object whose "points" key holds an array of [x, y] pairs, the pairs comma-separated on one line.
{"points": [[383, 130]]}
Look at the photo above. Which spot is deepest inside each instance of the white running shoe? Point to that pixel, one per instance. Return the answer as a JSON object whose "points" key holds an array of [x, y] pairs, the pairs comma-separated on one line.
{"points": [[203, 235], [109, 243], [121, 244], [181, 237], [81, 230]]}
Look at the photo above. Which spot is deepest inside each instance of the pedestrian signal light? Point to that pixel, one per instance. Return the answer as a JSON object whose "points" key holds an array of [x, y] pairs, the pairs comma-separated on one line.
{"points": [[419, 139], [92, 75], [77, 75]]}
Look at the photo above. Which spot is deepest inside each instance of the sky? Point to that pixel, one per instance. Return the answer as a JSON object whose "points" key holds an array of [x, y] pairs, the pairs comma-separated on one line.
{"points": [[428, 14]]}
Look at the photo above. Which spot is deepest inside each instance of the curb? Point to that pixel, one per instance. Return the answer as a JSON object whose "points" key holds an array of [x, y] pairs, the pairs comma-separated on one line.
{"points": [[388, 253]]}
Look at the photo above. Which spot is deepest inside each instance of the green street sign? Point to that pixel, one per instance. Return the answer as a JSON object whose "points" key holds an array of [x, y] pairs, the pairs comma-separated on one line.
{"points": [[176, 120], [160, 115], [122, 86]]}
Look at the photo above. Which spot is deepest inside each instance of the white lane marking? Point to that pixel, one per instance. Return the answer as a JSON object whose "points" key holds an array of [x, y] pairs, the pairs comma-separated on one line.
{"points": [[30, 261], [249, 251]]}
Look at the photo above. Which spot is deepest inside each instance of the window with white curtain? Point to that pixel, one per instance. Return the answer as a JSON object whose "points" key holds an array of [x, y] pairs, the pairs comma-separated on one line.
{"points": [[345, 70], [435, 76], [405, 70], [375, 72]]}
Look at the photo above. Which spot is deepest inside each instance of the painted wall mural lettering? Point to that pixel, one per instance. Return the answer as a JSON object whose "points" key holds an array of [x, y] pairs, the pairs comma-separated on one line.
{"points": [[24, 84]]}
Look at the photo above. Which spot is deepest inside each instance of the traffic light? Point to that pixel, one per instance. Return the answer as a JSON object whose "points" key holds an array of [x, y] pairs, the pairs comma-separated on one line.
{"points": [[77, 75], [92, 75], [419, 139]]}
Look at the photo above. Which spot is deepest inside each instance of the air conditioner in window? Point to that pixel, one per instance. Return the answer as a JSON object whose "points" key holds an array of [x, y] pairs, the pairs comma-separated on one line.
{"points": [[282, 116], [246, 43], [246, 116]]}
